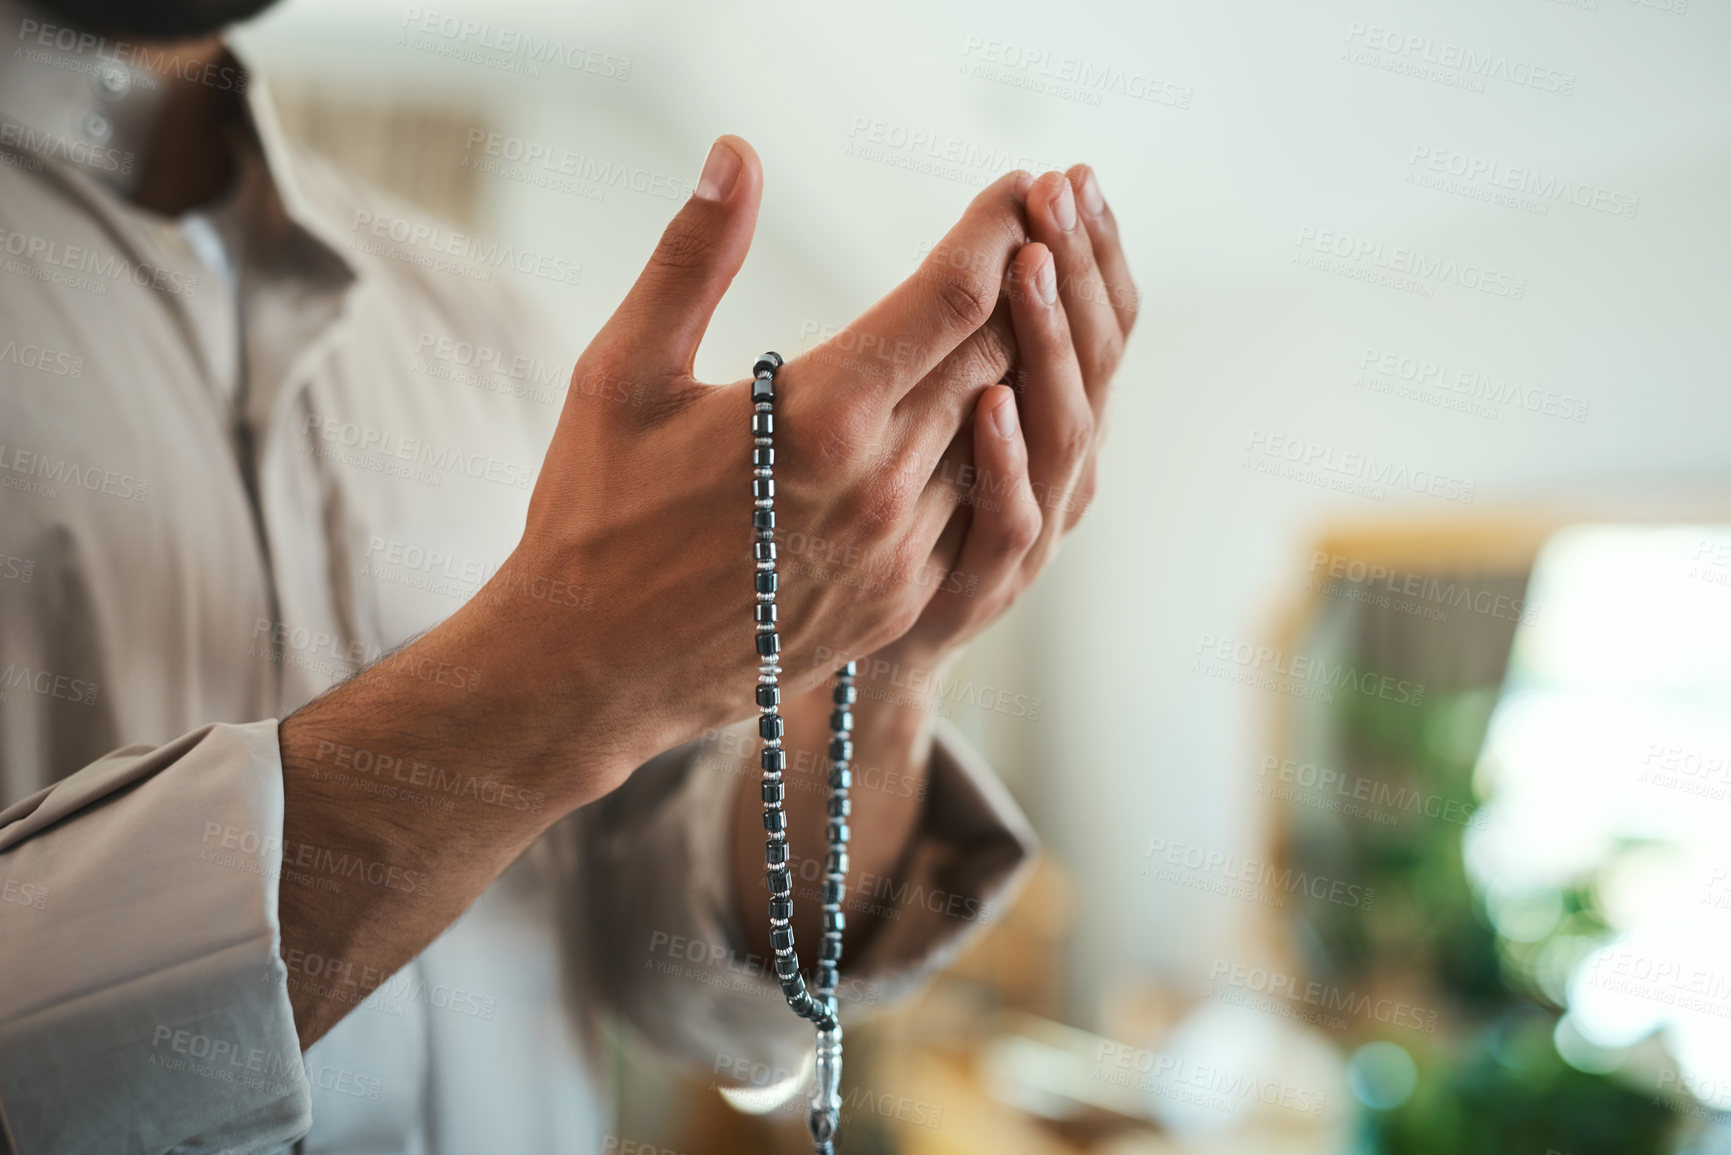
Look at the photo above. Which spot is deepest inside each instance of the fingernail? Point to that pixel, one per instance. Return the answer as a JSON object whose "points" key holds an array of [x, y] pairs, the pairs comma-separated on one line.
{"points": [[720, 170], [1046, 278], [1004, 417], [1024, 182], [1064, 206], [1092, 200]]}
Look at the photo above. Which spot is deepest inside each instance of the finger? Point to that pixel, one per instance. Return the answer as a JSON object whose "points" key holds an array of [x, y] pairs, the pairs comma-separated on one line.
{"points": [[1005, 522], [1108, 250], [663, 318], [1053, 219], [941, 512], [1083, 495], [1056, 416], [927, 418], [934, 532], [950, 295]]}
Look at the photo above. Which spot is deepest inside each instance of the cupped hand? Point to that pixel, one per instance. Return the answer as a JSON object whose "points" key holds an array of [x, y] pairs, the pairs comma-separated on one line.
{"points": [[643, 501], [1025, 471]]}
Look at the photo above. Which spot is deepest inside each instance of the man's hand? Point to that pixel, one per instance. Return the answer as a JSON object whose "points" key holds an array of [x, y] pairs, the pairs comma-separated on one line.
{"points": [[643, 507], [1025, 483], [1073, 305]]}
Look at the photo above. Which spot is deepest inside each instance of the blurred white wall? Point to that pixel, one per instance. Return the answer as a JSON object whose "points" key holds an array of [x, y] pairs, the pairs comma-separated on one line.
{"points": [[1287, 134]]}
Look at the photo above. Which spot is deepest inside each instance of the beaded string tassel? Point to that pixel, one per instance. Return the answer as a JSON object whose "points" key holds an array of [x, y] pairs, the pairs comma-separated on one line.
{"points": [[824, 1116]]}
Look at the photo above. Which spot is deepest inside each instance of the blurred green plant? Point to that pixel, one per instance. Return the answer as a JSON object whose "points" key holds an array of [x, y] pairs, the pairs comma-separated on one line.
{"points": [[1490, 1079]]}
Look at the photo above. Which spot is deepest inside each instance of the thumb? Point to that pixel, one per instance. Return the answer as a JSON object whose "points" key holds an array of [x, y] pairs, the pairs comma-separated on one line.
{"points": [[663, 317]]}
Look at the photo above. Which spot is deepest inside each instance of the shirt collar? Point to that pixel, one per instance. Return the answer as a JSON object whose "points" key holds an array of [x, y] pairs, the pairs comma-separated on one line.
{"points": [[89, 105]]}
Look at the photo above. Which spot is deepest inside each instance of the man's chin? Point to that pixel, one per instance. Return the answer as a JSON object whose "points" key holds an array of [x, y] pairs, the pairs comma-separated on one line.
{"points": [[154, 19]]}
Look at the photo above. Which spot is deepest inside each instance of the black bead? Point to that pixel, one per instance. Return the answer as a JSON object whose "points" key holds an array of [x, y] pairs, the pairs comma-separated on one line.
{"points": [[838, 833], [763, 518], [768, 725], [774, 819], [793, 986], [840, 806], [762, 424], [768, 695], [762, 389], [773, 760], [834, 920], [835, 862], [830, 951], [775, 853], [833, 890], [763, 550], [841, 720], [768, 363], [840, 778], [781, 937], [826, 976], [765, 581], [768, 644], [840, 749], [773, 792], [848, 671], [845, 693], [764, 612], [781, 907], [781, 881], [762, 456], [786, 966], [762, 487]]}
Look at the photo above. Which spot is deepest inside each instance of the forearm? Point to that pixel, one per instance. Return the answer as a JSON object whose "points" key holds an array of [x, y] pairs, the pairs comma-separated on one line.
{"points": [[404, 798], [893, 736]]}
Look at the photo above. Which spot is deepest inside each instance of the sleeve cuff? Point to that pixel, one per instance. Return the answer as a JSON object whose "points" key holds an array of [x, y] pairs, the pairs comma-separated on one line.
{"points": [[664, 932], [145, 1005]]}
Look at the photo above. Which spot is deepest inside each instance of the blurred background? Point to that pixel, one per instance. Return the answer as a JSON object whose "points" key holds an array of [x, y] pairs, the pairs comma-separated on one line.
{"points": [[1377, 720]]}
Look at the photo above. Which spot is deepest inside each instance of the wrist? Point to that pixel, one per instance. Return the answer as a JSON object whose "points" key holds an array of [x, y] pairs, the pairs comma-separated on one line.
{"points": [[473, 717], [910, 674]]}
